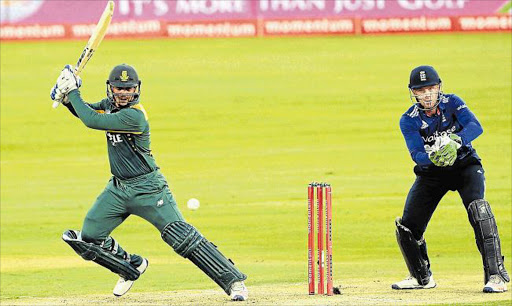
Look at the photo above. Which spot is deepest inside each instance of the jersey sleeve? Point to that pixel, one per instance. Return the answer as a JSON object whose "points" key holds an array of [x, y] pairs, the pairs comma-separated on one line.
{"points": [[414, 141], [126, 121], [471, 128], [99, 107]]}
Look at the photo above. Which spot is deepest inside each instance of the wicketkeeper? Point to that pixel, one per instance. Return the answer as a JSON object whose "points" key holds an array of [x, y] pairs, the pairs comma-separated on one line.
{"points": [[136, 187], [438, 130]]}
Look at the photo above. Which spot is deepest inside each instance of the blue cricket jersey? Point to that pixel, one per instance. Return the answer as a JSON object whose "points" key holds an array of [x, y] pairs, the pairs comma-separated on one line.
{"points": [[420, 131]]}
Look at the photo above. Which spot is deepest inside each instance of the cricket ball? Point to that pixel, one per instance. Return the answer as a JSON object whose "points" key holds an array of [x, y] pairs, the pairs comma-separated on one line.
{"points": [[193, 204]]}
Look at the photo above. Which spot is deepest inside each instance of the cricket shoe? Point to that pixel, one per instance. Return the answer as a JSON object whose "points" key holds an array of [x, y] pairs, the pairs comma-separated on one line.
{"points": [[124, 285], [412, 283], [239, 292], [495, 284]]}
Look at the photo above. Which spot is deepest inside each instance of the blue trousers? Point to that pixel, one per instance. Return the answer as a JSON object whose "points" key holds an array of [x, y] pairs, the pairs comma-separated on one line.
{"points": [[427, 191]]}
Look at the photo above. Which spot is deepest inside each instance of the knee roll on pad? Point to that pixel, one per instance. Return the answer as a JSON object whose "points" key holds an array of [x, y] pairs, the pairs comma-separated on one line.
{"points": [[487, 238], [189, 243], [91, 251], [414, 252], [182, 237]]}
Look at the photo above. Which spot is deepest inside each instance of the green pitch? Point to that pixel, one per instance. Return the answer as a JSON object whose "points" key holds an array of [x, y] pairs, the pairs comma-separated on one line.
{"points": [[243, 125]]}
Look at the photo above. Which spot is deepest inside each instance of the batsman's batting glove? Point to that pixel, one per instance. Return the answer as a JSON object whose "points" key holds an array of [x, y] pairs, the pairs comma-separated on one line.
{"points": [[58, 96], [68, 81]]}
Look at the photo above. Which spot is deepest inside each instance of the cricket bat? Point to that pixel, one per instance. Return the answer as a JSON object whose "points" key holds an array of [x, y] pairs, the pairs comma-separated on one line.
{"points": [[94, 41]]}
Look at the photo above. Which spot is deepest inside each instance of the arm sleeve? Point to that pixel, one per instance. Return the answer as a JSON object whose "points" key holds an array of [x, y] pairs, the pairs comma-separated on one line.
{"points": [[69, 106], [471, 128], [414, 142], [128, 121]]}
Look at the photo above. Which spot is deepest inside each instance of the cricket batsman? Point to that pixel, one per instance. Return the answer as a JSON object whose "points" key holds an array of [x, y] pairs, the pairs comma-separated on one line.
{"points": [[136, 187], [438, 129]]}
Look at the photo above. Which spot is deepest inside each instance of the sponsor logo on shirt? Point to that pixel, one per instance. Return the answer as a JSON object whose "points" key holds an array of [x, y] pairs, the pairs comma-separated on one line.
{"points": [[114, 138], [415, 112], [432, 138]]}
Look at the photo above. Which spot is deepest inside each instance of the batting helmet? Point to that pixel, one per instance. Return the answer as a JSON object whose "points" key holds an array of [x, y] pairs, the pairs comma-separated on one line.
{"points": [[124, 76], [423, 76]]}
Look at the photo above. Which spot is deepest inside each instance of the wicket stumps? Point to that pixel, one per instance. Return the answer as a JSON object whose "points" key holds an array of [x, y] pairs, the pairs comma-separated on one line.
{"points": [[322, 262]]}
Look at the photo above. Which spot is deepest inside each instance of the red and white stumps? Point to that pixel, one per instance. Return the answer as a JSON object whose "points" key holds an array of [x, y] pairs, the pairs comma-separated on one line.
{"points": [[325, 263], [311, 239]]}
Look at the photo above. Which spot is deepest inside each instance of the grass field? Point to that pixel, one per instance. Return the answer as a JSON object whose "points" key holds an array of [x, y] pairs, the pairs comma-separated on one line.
{"points": [[243, 125]]}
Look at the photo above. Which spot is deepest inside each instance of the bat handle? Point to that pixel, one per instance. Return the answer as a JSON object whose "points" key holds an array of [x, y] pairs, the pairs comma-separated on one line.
{"points": [[55, 104]]}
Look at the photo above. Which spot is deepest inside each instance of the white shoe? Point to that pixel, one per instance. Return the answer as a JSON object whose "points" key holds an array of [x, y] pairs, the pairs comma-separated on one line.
{"points": [[239, 292], [123, 285], [495, 284], [412, 283]]}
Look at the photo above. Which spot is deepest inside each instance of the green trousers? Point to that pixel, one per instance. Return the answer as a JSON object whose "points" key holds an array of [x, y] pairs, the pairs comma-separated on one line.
{"points": [[147, 196]]}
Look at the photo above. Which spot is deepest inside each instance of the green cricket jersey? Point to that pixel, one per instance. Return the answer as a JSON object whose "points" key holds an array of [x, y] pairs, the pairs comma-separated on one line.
{"points": [[127, 132]]}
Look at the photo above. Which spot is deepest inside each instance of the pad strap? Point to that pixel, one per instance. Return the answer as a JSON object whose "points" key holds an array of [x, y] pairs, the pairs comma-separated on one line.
{"points": [[414, 253], [189, 243], [90, 251], [487, 239]]}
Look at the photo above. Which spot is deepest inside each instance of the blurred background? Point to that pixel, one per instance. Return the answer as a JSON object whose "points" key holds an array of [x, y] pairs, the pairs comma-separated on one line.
{"points": [[64, 19], [248, 102]]}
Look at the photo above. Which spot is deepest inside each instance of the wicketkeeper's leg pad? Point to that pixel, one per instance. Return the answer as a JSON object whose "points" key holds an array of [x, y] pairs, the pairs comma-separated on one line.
{"points": [[487, 239], [414, 252], [91, 251], [189, 243]]}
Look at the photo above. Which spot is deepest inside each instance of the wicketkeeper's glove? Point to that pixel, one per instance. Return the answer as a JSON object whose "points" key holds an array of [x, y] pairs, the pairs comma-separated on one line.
{"points": [[450, 150], [449, 155], [457, 139], [437, 158], [446, 155]]}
